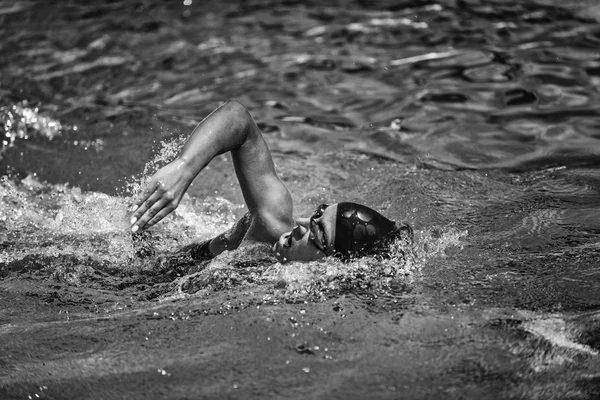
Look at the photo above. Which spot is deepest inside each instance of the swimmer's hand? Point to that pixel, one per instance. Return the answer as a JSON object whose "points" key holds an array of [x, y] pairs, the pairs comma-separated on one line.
{"points": [[161, 194], [229, 128]]}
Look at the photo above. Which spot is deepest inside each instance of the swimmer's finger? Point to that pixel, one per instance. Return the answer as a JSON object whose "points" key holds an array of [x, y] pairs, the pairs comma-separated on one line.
{"points": [[148, 216], [144, 206], [159, 216], [146, 192], [146, 210]]}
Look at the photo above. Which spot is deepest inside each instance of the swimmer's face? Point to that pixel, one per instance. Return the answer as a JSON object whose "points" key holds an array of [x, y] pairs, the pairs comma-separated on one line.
{"points": [[311, 239]]}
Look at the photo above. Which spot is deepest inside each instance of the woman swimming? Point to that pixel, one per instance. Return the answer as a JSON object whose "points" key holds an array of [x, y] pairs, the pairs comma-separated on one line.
{"points": [[344, 230]]}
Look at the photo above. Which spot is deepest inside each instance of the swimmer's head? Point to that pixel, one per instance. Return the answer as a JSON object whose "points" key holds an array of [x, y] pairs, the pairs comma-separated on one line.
{"points": [[344, 230]]}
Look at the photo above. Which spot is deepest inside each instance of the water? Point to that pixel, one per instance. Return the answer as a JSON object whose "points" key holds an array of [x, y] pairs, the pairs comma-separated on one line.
{"points": [[476, 122]]}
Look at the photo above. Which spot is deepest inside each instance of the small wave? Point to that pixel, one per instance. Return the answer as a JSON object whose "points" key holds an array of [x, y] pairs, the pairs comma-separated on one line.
{"points": [[254, 266]]}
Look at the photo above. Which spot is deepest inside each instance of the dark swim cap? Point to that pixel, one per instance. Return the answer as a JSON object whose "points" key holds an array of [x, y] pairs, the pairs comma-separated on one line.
{"points": [[359, 229]]}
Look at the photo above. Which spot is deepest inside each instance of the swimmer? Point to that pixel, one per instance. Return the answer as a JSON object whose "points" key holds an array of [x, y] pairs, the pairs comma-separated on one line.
{"points": [[344, 230]]}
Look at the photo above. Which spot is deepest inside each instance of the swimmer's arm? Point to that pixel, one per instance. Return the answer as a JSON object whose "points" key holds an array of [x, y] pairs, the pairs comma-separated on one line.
{"points": [[228, 128], [227, 240]]}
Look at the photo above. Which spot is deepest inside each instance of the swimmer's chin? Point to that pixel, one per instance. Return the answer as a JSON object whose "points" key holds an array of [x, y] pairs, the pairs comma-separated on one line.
{"points": [[277, 252]]}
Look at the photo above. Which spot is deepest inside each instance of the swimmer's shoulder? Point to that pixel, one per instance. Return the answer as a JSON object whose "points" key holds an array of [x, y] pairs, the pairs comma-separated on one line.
{"points": [[268, 228], [272, 218], [253, 227]]}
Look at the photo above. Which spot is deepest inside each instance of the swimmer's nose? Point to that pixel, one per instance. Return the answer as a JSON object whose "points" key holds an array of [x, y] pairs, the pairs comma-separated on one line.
{"points": [[305, 222]]}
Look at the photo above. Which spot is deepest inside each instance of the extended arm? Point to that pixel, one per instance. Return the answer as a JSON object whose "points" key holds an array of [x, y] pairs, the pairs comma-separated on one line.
{"points": [[228, 128]]}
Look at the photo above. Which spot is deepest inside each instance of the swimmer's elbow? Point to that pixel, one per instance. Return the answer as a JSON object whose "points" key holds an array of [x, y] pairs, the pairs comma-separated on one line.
{"points": [[238, 117], [235, 109]]}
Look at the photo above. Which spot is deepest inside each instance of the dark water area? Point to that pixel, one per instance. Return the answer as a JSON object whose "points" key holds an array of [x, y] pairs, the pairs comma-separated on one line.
{"points": [[477, 122]]}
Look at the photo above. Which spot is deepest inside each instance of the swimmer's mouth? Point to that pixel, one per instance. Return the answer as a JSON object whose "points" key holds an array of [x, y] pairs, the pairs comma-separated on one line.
{"points": [[285, 241]]}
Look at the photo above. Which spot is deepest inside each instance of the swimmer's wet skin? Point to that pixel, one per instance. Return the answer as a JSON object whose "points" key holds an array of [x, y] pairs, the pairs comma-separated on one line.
{"points": [[345, 230]]}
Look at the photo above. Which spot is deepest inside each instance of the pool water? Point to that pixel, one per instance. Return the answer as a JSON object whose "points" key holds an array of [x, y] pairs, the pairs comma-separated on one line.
{"points": [[475, 121]]}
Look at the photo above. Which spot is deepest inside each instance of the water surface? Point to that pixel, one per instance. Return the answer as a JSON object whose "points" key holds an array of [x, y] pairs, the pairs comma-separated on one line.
{"points": [[474, 121]]}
